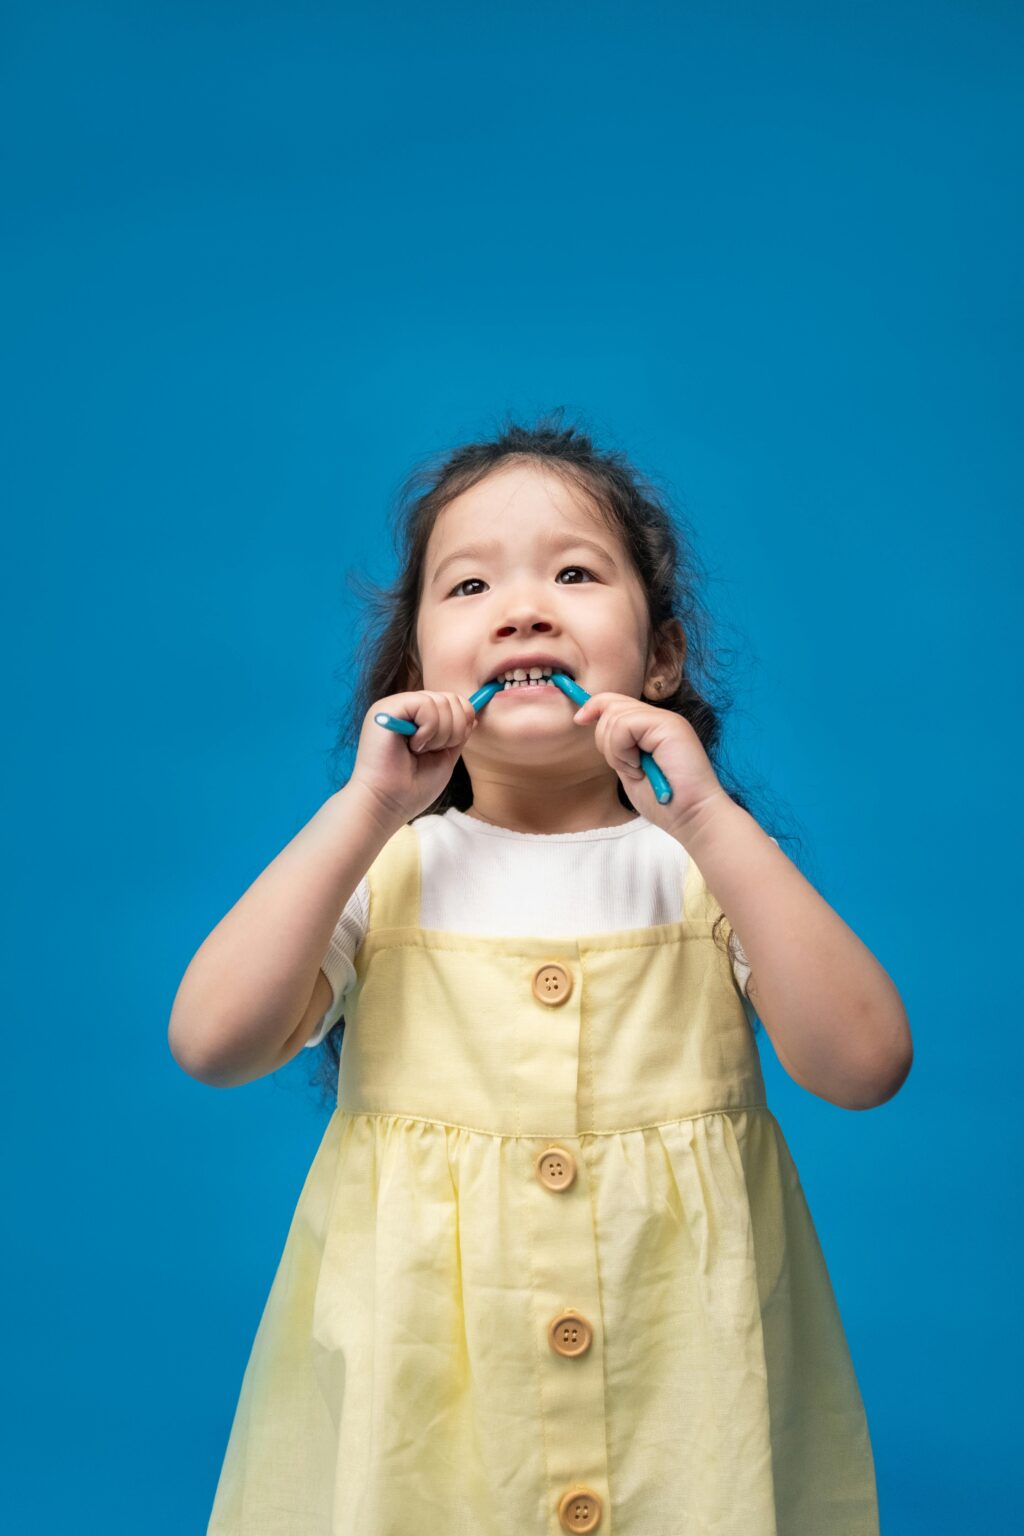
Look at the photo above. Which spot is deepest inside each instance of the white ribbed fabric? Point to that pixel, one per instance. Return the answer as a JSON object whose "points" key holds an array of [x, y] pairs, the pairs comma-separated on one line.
{"points": [[481, 879]]}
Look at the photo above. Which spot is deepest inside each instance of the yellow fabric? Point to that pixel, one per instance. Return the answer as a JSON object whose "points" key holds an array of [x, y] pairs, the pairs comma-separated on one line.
{"points": [[401, 1380]]}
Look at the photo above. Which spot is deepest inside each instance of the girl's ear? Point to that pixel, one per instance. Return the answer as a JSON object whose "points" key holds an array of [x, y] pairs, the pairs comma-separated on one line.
{"points": [[669, 654]]}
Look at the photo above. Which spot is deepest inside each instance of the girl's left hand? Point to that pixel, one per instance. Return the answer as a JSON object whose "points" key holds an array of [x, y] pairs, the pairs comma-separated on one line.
{"points": [[624, 727]]}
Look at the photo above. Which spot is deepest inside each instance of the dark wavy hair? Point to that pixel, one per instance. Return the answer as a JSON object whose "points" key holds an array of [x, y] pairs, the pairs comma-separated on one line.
{"points": [[660, 545]]}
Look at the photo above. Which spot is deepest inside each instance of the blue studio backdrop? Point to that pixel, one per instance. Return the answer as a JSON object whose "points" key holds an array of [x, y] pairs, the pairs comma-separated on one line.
{"points": [[260, 260]]}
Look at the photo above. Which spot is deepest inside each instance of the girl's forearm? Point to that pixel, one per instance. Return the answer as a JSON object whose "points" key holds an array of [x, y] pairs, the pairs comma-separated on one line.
{"points": [[251, 981], [835, 1018]]}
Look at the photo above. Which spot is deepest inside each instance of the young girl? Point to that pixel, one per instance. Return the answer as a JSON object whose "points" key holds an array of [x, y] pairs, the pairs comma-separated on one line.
{"points": [[552, 1268]]}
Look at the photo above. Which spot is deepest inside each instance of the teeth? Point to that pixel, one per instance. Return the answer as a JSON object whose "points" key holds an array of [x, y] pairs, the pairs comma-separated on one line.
{"points": [[524, 677]]}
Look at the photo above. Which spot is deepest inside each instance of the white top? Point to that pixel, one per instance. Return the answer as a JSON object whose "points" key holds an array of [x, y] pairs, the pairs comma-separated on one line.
{"points": [[481, 879]]}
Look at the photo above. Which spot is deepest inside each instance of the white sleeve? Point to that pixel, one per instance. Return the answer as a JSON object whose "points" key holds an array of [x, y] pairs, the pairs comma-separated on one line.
{"points": [[337, 965], [740, 965], [741, 969]]}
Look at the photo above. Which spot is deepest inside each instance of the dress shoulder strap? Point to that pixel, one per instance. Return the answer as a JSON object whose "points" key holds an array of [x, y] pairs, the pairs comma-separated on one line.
{"points": [[393, 880]]}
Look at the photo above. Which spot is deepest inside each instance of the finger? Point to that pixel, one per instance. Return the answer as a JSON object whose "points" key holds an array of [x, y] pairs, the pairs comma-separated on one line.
{"points": [[591, 711], [441, 735], [465, 720], [452, 718], [462, 717], [627, 767], [427, 719], [623, 749], [438, 733]]}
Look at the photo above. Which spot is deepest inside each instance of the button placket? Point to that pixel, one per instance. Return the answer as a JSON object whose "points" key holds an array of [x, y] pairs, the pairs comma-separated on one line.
{"points": [[565, 1256]]}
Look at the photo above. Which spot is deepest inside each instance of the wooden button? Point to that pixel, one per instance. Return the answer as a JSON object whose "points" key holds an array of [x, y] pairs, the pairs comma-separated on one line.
{"points": [[580, 1510], [569, 1333], [556, 1168], [552, 983]]}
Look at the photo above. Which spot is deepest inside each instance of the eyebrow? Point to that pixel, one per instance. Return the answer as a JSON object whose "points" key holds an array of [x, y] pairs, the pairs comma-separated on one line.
{"points": [[491, 546]]}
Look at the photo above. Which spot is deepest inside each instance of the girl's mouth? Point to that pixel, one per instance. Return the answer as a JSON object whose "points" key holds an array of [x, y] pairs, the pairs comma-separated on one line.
{"points": [[522, 679]]}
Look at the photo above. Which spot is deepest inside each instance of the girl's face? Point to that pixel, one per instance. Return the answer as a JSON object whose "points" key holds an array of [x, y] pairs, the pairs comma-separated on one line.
{"points": [[521, 565]]}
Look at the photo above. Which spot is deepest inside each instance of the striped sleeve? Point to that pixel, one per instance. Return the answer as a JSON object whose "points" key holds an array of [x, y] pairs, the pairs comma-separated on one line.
{"points": [[337, 964]]}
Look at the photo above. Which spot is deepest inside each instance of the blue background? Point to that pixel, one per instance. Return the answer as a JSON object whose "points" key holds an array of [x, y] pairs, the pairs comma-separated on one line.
{"points": [[259, 260]]}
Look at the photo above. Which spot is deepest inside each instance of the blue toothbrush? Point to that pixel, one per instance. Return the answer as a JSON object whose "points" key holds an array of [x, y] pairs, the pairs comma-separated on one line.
{"points": [[579, 696]]}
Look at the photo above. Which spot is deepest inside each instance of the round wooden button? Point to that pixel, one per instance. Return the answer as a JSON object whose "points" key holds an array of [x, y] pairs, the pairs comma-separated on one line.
{"points": [[569, 1333], [580, 1510], [556, 1168], [552, 983]]}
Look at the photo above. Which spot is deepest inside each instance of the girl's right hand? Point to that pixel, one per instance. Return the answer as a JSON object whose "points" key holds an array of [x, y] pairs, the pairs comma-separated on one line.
{"points": [[405, 774]]}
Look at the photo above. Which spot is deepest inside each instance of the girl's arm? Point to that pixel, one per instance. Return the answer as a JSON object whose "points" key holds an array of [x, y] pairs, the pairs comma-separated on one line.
{"points": [[832, 1013], [246, 996]]}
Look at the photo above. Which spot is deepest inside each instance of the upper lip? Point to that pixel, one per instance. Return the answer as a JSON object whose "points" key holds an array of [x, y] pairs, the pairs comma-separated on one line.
{"points": [[543, 660]]}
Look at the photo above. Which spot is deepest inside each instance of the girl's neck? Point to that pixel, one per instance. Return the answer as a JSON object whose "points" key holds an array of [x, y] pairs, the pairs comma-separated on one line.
{"points": [[546, 805], [615, 819]]}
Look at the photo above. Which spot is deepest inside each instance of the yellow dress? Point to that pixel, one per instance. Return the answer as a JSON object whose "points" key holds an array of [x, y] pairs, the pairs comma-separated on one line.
{"points": [[552, 1268]]}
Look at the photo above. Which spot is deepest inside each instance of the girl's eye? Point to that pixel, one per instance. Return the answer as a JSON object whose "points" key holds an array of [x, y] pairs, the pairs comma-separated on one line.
{"points": [[469, 579]]}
